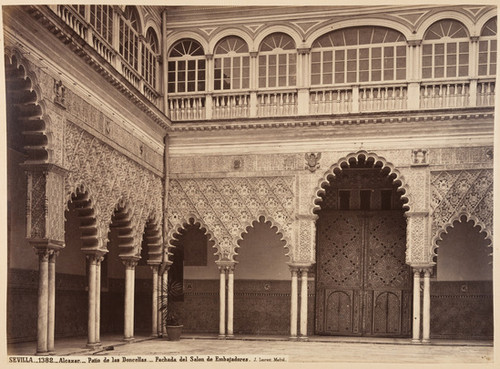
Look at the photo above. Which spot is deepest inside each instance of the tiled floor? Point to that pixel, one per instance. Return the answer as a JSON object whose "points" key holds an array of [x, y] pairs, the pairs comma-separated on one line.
{"points": [[316, 349]]}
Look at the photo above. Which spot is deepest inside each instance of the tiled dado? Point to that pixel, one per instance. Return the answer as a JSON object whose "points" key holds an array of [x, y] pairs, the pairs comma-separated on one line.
{"points": [[260, 306], [462, 309]]}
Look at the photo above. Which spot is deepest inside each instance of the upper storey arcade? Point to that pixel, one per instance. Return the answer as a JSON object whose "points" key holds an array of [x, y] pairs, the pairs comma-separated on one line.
{"points": [[438, 58], [199, 63]]}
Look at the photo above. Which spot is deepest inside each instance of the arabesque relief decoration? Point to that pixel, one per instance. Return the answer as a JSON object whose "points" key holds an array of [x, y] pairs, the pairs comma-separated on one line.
{"points": [[226, 206], [110, 179], [467, 192]]}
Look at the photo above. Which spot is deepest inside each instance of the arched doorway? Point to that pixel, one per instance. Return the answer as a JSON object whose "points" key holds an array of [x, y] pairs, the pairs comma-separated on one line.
{"points": [[363, 285]]}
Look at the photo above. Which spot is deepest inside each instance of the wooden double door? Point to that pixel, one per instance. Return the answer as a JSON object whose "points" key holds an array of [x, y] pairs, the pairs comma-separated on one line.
{"points": [[363, 285]]}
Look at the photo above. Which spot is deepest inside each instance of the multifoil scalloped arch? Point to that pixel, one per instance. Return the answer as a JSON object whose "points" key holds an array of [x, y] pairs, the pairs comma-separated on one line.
{"points": [[403, 187]]}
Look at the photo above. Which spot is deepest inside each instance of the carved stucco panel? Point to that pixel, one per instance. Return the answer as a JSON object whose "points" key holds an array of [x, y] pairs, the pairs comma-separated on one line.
{"points": [[55, 206], [226, 206], [417, 239], [110, 178], [36, 205], [417, 180], [55, 133], [456, 192]]}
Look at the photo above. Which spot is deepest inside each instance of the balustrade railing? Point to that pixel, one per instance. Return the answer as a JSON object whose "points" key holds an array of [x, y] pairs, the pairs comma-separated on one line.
{"points": [[187, 107], [103, 48], [383, 98], [231, 106], [73, 19], [130, 74], [444, 95], [486, 93], [270, 104], [151, 94], [330, 101]]}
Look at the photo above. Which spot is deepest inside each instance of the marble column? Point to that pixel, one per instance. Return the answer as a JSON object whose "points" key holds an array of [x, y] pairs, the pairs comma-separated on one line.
{"points": [[230, 300], [98, 261], [416, 305], [91, 342], [51, 307], [43, 301], [303, 304], [164, 282], [222, 302], [294, 302], [426, 318], [154, 310], [128, 325]]}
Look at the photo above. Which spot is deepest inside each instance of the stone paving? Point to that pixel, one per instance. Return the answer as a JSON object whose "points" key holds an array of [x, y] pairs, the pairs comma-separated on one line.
{"points": [[316, 350]]}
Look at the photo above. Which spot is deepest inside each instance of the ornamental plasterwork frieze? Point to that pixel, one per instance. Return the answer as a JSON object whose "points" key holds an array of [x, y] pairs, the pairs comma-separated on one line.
{"points": [[111, 178], [227, 206], [461, 192]]}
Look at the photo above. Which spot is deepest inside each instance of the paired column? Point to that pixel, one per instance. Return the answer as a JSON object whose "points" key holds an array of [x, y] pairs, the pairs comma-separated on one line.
{"points": [[94, 300], [226, 271], [426, 306], [128, 325], [302, 272], [163, 290]]}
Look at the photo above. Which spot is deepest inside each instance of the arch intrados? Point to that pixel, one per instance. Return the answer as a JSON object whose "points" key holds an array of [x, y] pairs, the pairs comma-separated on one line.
{"points": [[460, 218], [355, 158], [274, 226]]}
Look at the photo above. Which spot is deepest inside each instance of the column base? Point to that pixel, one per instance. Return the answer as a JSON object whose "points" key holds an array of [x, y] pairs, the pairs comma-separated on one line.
{"points": [[230, 336], [128, 339], [293, 338], [426, 340], [416, 341], [42, 353], [222, 336], [304, 338], [93, 345]]}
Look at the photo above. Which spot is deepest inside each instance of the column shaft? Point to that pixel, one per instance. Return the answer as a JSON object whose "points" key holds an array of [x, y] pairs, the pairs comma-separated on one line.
{"points": [[51, 302], [43, 300], [303, 305], [129, 302], [154, 311], [230, 301], [427, 307], [293, 307], [92, 294], [222, 303], [163, 328], [416, 305], [98, 300]]}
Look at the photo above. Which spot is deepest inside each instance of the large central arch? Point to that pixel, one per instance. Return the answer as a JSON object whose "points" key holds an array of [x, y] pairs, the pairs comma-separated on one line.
{"points": [[363, 284]]}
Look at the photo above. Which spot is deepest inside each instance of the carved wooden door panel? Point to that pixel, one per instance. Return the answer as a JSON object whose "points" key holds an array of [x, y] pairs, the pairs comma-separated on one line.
{"points": [[363, 283]]}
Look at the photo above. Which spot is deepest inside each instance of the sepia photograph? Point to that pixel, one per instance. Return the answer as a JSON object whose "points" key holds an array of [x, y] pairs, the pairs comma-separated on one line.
{"points": [[249, 183]]}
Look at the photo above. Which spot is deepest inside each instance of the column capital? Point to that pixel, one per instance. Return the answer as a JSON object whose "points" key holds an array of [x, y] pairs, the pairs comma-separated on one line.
{"points": [[209, 56], [155, 268], [303, 50], [226, 265], [474, 38], [130, 263], [254, 54], [410, 214], [414, 42]]}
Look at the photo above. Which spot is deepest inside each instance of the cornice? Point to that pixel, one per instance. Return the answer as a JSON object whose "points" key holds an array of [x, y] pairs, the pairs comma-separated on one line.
{"points": [[74, 42], [328, 120]]}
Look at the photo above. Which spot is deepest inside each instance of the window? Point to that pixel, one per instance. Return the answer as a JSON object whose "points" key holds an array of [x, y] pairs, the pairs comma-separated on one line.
{"points": [[101, 18], [129, 37], [277, 61], [445, 50], [80, 9], [232, 64], [488, 49], [149, 54], [186, 67], [361, 54]]}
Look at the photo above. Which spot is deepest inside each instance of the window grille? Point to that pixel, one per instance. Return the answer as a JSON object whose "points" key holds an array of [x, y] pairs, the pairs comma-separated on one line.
{"points": [[361, 54], [232, 64], [129, 38], [488, 49], [101, 19], [186, 67], [445, 50], [277, 61]]}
